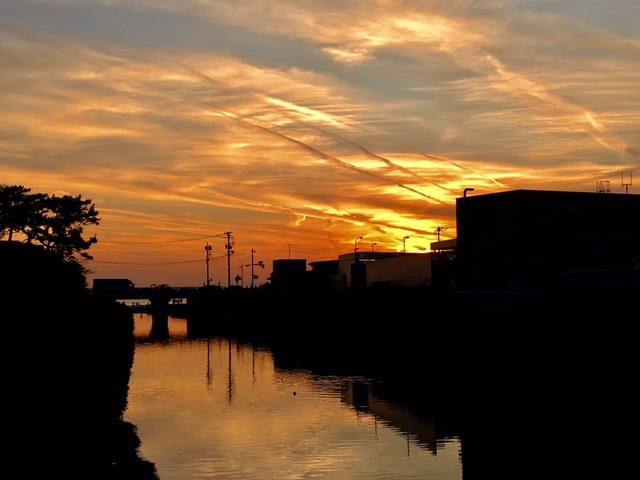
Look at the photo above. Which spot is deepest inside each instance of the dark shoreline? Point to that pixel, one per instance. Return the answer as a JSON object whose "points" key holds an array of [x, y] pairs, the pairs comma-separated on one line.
{"points": [[67, 373]]}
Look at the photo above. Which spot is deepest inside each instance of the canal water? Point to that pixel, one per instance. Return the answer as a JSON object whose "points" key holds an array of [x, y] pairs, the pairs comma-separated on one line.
{"points": [[216, 408]]}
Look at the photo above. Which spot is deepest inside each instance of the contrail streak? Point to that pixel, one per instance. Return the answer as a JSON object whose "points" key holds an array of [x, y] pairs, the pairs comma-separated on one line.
{"points": [[440, 159], [388, 162], [331, 158], [325, 156]]}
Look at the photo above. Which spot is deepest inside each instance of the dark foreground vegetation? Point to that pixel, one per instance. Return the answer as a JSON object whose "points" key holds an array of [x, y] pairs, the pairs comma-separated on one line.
{"points": [[67, 367]]}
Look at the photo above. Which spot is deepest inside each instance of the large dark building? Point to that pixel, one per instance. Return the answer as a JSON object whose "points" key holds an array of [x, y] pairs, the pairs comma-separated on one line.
{"points": [[528, 240], [288, 273]]}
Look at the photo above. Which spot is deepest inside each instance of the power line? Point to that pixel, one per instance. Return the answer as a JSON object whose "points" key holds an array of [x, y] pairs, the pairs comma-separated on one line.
{"points": [[156, 263], [159, 241], [145, 264]]}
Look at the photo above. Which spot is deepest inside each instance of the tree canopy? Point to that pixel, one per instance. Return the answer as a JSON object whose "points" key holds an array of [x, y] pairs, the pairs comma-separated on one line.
{"points": [[54, 222]]}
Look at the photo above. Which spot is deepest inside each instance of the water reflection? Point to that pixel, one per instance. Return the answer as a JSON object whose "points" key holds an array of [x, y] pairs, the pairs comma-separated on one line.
{"points": [[361, 396], [477, 399], [214, 407]]}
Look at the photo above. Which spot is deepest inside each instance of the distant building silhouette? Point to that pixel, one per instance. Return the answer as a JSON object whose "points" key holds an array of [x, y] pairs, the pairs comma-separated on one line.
{"points": [[325, 275], [396, 269], [519, 241], [288, 273], [112, 285]]}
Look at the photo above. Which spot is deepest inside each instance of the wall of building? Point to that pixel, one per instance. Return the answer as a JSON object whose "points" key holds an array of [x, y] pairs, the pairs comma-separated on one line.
{"points": [[520, 240], [288, 273], [391, 268], [409, 270]]}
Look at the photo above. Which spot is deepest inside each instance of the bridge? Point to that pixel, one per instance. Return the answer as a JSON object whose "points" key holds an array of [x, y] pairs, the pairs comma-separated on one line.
{"points": [[162, 301], [149, 293], [152, 298]]}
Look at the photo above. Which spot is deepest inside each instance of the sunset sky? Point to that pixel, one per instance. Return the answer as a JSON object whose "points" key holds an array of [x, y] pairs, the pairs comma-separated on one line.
{"points": [[299, 125]]}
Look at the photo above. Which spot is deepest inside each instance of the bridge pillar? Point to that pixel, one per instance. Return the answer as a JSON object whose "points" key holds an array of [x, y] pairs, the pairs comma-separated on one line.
{"points": [[159, 325], [159, 305]]}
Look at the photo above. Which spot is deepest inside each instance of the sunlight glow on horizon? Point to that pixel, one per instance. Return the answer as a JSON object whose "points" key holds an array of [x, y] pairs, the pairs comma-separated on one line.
{"points": [[305, 125]]}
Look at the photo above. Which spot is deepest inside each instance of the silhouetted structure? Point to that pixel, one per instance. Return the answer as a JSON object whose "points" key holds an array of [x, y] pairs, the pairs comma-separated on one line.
{"points": [[444, 264], [112, 285], [288, 273], [325, 275], [524, 240]]}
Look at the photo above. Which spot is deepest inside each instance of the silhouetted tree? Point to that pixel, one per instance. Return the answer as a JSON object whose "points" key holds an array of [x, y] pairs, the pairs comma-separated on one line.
{"points": [[17, 208], [56, 223]]}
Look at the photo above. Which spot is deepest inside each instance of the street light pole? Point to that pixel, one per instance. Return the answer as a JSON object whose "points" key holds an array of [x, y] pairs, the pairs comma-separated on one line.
{"points": [[355, 249], [355, 244], [372, 245], [260, 264], [404, 244]]}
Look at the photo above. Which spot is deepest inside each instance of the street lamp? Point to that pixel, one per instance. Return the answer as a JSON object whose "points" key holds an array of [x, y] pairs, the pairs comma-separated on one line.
{"points": [[207, 249], [404, 244], [355, 249], [372, 245], [355, 244]]}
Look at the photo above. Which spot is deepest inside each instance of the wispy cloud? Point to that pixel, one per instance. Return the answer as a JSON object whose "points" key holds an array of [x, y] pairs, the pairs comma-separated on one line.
{"points": [[308, 124]]}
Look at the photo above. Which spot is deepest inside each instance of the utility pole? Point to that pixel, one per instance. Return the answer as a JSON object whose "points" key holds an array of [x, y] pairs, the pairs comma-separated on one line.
{"points": [[252, 277], [207, 249], [229, 252]]}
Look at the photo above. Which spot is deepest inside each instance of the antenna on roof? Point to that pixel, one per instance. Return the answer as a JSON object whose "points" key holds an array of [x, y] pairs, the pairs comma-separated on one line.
{"points": [[627, 185], [438, 231], [603, 186]]}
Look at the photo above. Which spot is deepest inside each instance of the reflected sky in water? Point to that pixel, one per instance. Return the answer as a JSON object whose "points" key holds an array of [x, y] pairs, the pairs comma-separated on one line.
{"points": [[217, 409]]}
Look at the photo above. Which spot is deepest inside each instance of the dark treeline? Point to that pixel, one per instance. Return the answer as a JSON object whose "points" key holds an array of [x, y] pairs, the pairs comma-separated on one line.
{"points": [[68, 354]]}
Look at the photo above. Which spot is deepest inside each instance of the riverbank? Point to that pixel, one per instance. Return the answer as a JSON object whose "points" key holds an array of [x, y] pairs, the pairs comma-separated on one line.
{"points": [[66, 373]]}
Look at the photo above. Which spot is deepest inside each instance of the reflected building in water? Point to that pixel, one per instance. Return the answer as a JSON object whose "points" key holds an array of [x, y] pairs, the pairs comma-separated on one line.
{"points": [[361, 396]]}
